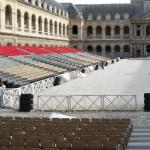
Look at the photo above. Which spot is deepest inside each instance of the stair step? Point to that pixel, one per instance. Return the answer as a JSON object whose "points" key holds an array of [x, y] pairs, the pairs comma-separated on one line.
{"points": [[137, 133], [141, 131], [140, 139], [138, 147]]}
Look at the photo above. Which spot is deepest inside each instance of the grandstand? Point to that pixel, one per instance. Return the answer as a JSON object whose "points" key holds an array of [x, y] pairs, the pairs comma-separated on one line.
{"points": [[24, 64], [27, 69]]}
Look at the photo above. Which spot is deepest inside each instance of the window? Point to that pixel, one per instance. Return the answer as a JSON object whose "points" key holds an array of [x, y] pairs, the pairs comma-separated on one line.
{"points": [[55, 25], [89, 30], [117, 49], [98, 49], [117, 16], [99, 17], [40, 25], [108, 17], [117, 30], [126, 49], [126, 30], [60, 28], [26, 20], [74, 29], [90, 48], [108, 49], [148, 30], [51, 26], [90, 17], [98, 30], [33, 22], [8, 15], [108, 31], [64, 29], [126, 16], [19, 18], [45, 25]]}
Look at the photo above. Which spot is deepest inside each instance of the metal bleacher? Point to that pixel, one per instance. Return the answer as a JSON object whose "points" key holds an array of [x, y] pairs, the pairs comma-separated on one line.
{"points": [[26, 64]]}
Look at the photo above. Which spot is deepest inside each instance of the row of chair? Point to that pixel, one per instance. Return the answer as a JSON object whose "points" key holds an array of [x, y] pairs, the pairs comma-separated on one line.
{"points": [[75, 133]]}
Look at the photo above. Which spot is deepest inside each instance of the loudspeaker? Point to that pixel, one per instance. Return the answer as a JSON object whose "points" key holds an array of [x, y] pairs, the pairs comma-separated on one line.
{"points": [[57, 81], [26, 102], [147, 102], [83, 71], [96, 67]]}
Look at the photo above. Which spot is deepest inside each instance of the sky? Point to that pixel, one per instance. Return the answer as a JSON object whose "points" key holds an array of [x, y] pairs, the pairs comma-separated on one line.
{"points": [[94, 1]]}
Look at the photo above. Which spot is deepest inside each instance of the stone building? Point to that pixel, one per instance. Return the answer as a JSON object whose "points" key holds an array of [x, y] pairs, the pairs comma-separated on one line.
{"points": [[111, 29], [106, 29], [33, 22]]}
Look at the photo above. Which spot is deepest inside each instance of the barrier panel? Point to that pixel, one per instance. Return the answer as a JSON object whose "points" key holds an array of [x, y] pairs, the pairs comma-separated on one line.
{"points": [[86, 102], [11, 97]]}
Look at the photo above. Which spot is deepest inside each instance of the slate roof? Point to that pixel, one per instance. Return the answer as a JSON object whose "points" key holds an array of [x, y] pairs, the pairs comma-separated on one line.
{"points": [[53, 3], [103, 9], [73, 11]]}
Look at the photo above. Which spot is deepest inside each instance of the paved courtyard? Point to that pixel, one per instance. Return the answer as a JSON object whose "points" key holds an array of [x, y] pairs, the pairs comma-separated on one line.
{"points": [[127, 77]]}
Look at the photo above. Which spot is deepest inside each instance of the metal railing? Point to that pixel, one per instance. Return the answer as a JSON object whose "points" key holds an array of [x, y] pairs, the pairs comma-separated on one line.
{"points": [[86, 102]]}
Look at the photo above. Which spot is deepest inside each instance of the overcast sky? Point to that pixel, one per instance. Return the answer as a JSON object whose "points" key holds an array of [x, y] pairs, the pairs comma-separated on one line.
{"points": [[94, 1]]}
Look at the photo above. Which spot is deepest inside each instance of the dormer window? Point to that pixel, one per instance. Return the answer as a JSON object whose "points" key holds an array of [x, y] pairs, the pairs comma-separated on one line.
{"points": [[108, 17], [117, 16], [90, 17], [99, 17], [45, 5], [126, 16]]}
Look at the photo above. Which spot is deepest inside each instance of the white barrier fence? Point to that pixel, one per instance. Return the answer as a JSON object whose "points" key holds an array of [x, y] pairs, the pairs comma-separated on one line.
{"points": [[11, 97], [86, 102]]}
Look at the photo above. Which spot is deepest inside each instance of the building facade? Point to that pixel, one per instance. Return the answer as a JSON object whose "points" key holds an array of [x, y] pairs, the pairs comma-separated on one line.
{"points": [[114, 30], [33, 22]]}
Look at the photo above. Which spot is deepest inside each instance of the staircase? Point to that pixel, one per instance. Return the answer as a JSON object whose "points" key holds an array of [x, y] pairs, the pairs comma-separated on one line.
{"points": [[140, 139]]}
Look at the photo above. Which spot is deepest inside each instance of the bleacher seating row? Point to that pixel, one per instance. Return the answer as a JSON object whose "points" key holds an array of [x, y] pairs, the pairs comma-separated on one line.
{"points": [[64, 134], [25, 64]]}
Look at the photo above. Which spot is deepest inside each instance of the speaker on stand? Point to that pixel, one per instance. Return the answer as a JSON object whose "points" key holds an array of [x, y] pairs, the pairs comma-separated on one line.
{"points": [[26, 102]]}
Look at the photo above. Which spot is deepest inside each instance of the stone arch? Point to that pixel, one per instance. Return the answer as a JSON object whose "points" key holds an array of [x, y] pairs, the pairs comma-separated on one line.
{"points": [[8, 15], [18, 18], [51, 26], [108, 31], [98, 30], [89, 31], [26, 20], [126, 30], [148, 30], [60, 28], [45, 25], [75, 29], [64, 29], [117, 30], [33, 20], [90, 48], [40, 25], [55, 27], [98, 49]]}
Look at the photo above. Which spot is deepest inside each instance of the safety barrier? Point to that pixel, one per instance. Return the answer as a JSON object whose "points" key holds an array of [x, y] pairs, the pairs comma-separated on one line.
{"points": [[86, 102]]}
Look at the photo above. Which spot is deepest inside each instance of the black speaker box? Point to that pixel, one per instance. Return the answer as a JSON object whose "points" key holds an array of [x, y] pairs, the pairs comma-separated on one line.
{"points": [[57, 81], [83, 71], [147, 102], [26, 102], [96, 67]]}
